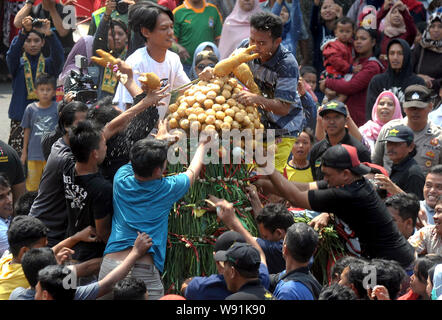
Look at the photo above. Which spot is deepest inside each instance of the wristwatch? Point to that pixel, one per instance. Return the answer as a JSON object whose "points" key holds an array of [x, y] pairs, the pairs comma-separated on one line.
{"points": [[30, 2]]}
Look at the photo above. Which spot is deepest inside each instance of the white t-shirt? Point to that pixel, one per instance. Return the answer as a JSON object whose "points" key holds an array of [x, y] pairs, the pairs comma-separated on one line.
{"points": [[169, 71]]}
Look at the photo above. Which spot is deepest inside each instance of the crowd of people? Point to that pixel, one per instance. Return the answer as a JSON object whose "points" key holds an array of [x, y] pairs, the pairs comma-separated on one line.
{"points": [[353, 98]]}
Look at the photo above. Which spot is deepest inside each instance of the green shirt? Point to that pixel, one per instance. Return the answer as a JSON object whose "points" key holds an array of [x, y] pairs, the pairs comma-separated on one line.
{"points": [[194, 26]]}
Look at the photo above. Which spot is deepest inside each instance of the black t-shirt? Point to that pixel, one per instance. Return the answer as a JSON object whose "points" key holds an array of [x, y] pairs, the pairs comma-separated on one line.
{"points": [[408, 176], [68, 40], [358, 205], [320, 147], [252, 290], [48, 139], [88, 198], [50, 206], [10, 164]]}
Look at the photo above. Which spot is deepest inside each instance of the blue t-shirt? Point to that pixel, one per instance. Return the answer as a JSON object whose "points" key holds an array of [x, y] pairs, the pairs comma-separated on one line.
{"points": [[291, 290], [40, 121], [273, 252], [144, 207], [214, 287]]}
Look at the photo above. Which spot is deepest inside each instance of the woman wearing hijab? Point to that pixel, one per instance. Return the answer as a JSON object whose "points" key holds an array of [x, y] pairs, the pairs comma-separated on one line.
{"points": [[386, 108], [237, 26], [427, 55], [204, 46], [394, 21], [112, 36]]}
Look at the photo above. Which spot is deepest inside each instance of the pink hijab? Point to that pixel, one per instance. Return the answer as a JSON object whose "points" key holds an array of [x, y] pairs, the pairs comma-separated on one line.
{"points": [[236, 28], [372, 128]]}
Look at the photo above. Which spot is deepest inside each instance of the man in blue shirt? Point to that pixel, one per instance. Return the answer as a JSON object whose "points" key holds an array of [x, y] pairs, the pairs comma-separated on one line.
{"points": [[296, 282], [214, 287], [142, 199]]}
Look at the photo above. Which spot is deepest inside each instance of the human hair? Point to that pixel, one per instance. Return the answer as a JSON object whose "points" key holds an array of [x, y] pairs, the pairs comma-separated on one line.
{"points": [[146, 155], [421, 26], [25, 231], [45, 78], [103, 112], [307, 69], [130, 288], [343, 20], [301, 241], [23, 205], [266, 21], [356, 274], [248, 274], [389, 274], [51, 279], [437, 169], [434, 5], [145, 14], [67, 114], [336, 291], [4, 181], [83, 139], [34, 260], [407, 204], [341, 264], [310, 134], [275, 216], [38, 33], [423, 264]]}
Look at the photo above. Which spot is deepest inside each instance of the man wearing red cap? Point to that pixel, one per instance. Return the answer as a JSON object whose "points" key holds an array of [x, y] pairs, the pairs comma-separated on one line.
{"points": [[348, 195]]}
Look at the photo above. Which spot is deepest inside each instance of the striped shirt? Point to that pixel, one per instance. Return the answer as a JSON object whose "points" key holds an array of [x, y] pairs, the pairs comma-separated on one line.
{"points": [[278, 78]]}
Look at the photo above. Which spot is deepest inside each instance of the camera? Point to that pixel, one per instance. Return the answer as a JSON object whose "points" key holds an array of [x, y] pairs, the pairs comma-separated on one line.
{"points": [[37, 23], [82, 85], [122, 7]]}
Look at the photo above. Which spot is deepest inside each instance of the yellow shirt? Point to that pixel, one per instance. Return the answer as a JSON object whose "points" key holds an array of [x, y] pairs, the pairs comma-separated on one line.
{"points": [[298, 175], [11, 277]]}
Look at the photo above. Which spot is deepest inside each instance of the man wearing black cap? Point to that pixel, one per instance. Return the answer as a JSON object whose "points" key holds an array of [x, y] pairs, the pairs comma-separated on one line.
{"points": [[348, 195], [427, 136], [405, 172], [214, 287], [241, 268], [334, 118]]}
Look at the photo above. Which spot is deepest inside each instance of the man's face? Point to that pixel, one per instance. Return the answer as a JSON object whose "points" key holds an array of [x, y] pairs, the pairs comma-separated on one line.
{"points": [[396, 56], [311, 78], [267, 235], [228, 273], [33, 44], [162, 35], [432, 188], [334, 123], [418, 116], [333, 177], [265, 45], [6, 208], [398, 151], [402, 225]]}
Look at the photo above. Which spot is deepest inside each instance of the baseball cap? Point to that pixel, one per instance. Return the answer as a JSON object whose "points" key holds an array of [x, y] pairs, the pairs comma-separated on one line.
{"points": [[227, 239], [242, 256], [417, 96], [344, 156], [400, 133], [333, 105]]}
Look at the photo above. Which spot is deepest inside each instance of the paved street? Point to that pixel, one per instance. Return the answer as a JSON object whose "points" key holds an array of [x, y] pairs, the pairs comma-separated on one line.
{"points": [[5, 98]]}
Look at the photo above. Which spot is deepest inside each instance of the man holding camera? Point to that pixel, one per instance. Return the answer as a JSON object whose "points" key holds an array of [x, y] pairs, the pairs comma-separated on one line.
{"points": [[56, 14]]}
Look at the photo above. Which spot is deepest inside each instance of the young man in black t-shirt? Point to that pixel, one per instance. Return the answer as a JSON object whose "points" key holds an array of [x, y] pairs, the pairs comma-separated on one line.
{"points": [[349, 196], [88, 194]]}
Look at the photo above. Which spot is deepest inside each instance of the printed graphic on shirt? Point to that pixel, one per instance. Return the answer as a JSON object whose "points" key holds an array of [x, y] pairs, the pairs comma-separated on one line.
{"points": [[74, 194], [3, 156], [43, 124]]}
